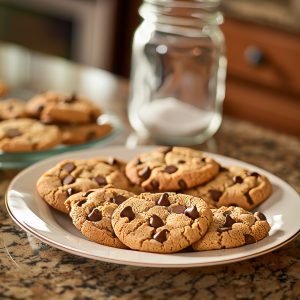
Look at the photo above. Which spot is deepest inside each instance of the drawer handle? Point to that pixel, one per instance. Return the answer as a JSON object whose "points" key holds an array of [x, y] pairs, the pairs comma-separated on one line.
{"points": [[254, 56]]}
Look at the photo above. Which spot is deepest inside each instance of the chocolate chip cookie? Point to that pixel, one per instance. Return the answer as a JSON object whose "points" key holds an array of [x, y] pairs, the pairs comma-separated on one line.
{"points": [[171, 169], [163, 222], [72, 176], [234, 186], [25, 135], [53, 107], [91, 213], [233, 227], [12, 109], [78, 134]]}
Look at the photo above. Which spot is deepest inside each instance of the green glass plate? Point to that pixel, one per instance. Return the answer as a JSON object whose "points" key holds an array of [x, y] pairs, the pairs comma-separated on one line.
{"points": [[23, 159]]}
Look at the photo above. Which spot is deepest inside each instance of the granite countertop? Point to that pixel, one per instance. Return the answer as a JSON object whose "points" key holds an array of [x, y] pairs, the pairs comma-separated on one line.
{"points": [[30, 269]]}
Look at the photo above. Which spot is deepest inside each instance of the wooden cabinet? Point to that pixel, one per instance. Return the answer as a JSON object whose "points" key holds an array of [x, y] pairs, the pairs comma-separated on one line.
{"points": [[263, 82]]}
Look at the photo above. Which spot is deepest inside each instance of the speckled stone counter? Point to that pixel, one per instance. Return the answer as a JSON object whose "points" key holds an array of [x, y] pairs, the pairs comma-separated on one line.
{"points": [[30, 269]]}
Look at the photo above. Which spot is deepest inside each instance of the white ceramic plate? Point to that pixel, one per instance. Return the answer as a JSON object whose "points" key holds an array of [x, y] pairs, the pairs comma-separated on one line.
{"points": [[35, 216]]}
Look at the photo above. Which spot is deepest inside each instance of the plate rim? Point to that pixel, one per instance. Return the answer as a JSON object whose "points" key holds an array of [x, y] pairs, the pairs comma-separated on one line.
{"points": [[85, 254]]}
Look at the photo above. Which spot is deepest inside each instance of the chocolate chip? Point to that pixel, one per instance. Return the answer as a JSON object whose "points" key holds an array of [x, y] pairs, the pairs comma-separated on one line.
{"points": [[68, 180], [215, 194], [170, 169], [249, 239], [100, 180], [111, 161], [255, 174], [145, 173], [228, 222], [155, 221], [70, 191], [95, 215], [161, 236], [163, 200], [85, 194], [68, 167], [237, 179], [71, 98], [224, 229], [118, 199], [181, 161], [226, 213], [155, 185], [127, 213], [249, 199], [12, 132], [137, 162], [202, 159], [192, 212], [39, 109], [260, 216], [165, 150], [178, 209], [182, 184], [81, 202]]}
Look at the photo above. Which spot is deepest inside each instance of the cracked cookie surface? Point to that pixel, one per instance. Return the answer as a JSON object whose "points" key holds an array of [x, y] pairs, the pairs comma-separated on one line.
{"points": [[72, 176], [233, 227], [234, 186], [26, 135], [91, 213], [53, 107], [162, 222], [171, 169], [12, 109]]}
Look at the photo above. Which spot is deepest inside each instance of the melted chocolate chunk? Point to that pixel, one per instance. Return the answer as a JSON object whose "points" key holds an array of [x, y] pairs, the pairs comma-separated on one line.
{"points": [[228, 222], [161, 236], [163, 200], [70, 191], [178, 209], [249, 199], [68, 167], [223, 169], [68, 180], [224, 229], [81, 202], [215, 194], [100, 180], [137, 162], [170, 169], [182, 184], [255, 174], [145, 173], [118, 199], [156, 222], [237, 179], [249, 239], [71, 98], [85, 194], [95, 215], [192, 212], [39, 109], [127, 213], [181, 161], [12, 132], [260, 216], [226, 213], [155, 185]]}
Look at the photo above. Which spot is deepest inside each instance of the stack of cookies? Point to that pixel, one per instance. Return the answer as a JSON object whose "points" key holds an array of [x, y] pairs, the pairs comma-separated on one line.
{"points": [[164, 201], [47, 120]]}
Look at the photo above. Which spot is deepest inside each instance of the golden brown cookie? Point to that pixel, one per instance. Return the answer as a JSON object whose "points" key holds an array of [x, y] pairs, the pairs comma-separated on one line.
{"points": [[12, 109], [162, 223], [79, 175], [25, 135], [233, 227], [234, 186], [53, 107], [91, 213], [171, 169]]}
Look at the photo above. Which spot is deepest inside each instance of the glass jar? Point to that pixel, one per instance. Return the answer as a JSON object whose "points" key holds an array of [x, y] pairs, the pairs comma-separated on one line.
{"points": [[178, 71]]}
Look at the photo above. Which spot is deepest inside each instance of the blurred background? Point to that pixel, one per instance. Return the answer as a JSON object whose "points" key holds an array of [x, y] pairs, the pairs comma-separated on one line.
{"points": [[262, 36]]}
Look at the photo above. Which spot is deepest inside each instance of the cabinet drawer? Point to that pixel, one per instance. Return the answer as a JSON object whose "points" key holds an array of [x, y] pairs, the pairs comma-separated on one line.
{"points": [[263, 55]]}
